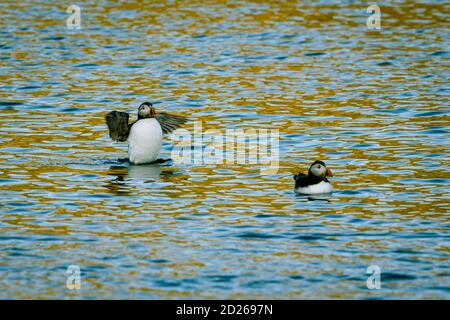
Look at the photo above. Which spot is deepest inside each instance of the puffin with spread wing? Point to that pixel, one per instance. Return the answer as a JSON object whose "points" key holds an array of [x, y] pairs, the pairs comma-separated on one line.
{"points": [[144, 136]]}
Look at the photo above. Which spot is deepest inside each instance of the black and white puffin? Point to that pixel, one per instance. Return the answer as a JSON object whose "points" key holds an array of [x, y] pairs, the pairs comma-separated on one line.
{"points": [[144, 136], [315, 182]]}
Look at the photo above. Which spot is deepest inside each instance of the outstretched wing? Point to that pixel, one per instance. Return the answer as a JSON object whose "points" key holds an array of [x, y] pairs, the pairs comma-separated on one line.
{"points": [[118, 125], [169, 122]]}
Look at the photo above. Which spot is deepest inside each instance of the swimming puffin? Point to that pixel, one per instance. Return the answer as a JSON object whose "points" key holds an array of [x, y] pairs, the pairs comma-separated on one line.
{"points": [[144, 136], [315, 182]]}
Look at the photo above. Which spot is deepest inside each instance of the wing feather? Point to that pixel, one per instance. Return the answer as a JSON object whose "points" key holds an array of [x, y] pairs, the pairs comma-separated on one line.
{"points": [[301, 180], [118, 125], [169, 122]]}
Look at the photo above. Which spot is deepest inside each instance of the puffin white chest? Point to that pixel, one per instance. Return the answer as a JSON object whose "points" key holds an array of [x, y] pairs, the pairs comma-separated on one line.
{"points": [[144, 141], [319, 188]]}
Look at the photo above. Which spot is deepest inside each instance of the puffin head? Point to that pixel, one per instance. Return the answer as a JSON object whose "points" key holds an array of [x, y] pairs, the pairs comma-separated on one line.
{"points": [[319, 169], [146, 110]]}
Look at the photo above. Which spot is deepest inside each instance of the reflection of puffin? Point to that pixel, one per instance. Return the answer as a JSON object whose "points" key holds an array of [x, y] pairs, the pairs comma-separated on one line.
{"points": [[315, 182], [127, 178], [144, 136]]}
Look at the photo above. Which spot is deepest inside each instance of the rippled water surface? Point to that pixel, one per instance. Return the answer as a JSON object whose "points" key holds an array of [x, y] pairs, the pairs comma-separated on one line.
{"points": [[372, 104]]}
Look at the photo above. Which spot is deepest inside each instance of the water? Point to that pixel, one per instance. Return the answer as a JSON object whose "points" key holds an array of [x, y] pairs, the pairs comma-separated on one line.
{"points": [[372, 104]]}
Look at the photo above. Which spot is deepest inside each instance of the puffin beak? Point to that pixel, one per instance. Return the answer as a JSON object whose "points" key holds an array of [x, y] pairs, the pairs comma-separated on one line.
{"points": [[328, 173]]}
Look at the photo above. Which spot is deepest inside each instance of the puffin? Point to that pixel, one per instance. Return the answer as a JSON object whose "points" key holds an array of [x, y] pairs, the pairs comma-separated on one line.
{"points": [[144, 136], [315, 182]]}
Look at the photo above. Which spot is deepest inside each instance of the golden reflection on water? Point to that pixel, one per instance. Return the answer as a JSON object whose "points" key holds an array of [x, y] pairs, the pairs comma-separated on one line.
{"points": [[373, 105]]}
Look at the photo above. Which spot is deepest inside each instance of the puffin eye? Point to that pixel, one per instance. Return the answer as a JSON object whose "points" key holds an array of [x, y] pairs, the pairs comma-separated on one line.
{"points": [[319, 166]]}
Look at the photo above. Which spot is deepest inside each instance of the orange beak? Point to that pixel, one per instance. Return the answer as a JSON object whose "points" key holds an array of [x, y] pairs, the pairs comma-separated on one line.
{"points": [[328, 173]]}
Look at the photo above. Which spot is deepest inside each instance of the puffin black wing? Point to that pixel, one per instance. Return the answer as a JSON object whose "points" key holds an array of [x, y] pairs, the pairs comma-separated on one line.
{"points": [[301, 180], [118, 125], [169, 122]]}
